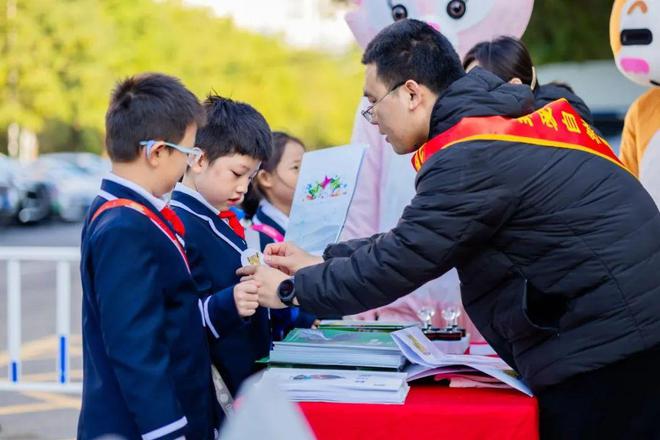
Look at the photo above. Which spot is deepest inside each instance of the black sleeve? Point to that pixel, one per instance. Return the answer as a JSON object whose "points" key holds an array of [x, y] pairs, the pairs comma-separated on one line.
{"points": [[346, 248], [458, 206]]}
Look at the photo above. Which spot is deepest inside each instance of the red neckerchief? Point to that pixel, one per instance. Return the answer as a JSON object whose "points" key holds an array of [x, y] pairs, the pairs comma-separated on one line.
{"points": [[234, 224]]}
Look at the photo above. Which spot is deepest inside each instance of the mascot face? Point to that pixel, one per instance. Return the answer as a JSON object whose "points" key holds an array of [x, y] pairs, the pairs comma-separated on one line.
{"points": [[464, 22], [635, 39]]}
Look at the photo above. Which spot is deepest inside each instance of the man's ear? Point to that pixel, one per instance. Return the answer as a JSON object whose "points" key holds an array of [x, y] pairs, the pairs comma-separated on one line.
{"points": [[415, 93], [265, 179]]}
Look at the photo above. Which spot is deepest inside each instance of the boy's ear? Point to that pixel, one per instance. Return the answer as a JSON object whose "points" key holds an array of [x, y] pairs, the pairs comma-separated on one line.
{"points": [[200, 164], [265, 179], [155, 154]]}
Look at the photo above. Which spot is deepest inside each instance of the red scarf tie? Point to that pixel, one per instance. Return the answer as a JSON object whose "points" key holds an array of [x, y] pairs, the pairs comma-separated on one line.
{"points": [[174, 220], [234, 224]]}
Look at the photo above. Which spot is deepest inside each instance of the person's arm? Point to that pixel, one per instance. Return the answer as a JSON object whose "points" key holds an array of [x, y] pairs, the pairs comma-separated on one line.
{"points": [[346, 248], [228, 309], [456, 209], [224, 310], [131, 307]]}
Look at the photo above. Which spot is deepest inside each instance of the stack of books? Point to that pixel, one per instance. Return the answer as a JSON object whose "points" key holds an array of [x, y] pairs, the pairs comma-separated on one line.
{"points": [[462, 370], [338, 348], [348, 386]]}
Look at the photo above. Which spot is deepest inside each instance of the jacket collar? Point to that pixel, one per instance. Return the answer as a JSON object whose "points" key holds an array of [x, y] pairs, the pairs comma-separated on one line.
{"points": [[121, 184], [204, 209], [268, 214], [479, 93]]}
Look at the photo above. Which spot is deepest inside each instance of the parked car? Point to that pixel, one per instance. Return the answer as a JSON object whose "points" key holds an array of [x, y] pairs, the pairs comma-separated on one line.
{"points": [[71, 188], [89, 163], [31, 197], [8, 192]]}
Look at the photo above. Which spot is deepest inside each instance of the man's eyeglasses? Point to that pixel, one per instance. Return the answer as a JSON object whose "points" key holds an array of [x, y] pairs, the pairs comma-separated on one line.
{"points": [[368, 113], [193, 153]]}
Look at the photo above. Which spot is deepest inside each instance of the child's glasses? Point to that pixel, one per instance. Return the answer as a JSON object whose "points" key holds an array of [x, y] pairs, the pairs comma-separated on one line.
{"points": [[193, 153]]}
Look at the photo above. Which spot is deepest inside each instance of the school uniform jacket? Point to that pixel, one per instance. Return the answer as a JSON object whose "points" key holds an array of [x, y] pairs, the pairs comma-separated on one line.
{"points": [[145, 356], [214, 250]]}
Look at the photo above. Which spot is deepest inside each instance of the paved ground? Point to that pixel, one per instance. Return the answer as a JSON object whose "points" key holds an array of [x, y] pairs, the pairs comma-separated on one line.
{"points": [[39, 415]]}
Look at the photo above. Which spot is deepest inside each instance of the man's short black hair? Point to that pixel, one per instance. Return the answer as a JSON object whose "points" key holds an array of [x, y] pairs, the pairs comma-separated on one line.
{"points": [[145, 107], [233, 128], [411, 49]]}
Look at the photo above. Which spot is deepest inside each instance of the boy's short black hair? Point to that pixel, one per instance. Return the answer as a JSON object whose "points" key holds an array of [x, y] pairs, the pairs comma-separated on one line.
{"points": [[411, 49], [145, 107], [233, 128]]}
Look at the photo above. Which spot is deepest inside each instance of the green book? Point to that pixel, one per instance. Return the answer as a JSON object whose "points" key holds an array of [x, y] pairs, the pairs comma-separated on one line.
{"points": [[366, 326], [331, 338], [338, 348]]}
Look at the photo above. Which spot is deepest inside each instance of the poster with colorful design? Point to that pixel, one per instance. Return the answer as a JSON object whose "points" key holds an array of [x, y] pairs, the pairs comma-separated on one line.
{"points": [[323, 194]]}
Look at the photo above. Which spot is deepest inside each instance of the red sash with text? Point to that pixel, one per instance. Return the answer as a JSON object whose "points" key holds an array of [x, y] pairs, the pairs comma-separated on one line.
{"points": [[126, 203], [556, 125]]}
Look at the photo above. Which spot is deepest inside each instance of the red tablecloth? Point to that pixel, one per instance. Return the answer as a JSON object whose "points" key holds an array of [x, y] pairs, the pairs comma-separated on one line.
{"points": [[430, 412]]}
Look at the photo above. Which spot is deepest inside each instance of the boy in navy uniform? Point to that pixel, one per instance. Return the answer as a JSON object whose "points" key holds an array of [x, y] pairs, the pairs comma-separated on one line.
{"points": [[233, 143], [145, 354]]}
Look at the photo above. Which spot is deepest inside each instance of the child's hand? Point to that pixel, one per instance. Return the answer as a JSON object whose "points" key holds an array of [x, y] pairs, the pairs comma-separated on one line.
{"points": [[246, 298]]}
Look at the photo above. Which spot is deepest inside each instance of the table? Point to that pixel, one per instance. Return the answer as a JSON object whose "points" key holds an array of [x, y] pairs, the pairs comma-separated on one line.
{"points": [[431, 411]]}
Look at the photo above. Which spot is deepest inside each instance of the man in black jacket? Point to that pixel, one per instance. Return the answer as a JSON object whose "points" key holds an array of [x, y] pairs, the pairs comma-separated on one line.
{"points": [[557, 245]]}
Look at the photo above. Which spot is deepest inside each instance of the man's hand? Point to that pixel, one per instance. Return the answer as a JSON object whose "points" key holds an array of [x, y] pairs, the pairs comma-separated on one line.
{"points": [[268, 279], [288, 257], [246, 298]]}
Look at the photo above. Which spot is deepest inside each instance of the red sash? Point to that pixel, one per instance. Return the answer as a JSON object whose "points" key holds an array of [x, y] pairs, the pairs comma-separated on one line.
{"points": [[556, 125], [126, 203]]}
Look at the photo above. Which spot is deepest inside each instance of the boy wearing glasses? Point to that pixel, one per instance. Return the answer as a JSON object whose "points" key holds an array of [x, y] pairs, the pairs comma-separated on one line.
{"points": [[147, 370], [234, 142]]}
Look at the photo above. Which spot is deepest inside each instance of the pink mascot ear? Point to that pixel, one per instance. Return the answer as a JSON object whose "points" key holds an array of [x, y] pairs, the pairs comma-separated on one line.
{"points": [[367, 19], [507, 17], [359, 24]]}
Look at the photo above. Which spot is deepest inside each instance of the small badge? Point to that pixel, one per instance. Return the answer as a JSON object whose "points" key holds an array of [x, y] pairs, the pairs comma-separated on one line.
{"points": [[251, 257]]}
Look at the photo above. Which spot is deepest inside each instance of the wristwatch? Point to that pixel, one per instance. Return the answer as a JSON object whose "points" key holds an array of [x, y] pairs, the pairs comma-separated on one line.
{"points": [[287, 292]]}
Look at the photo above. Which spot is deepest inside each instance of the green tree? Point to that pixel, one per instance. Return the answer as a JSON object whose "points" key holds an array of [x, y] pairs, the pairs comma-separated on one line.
{"points": [[563, 30], [68, 54]]}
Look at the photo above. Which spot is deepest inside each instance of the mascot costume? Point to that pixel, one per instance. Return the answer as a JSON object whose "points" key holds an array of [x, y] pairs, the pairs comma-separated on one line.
{"points": [[386, 182], [635, 41]]}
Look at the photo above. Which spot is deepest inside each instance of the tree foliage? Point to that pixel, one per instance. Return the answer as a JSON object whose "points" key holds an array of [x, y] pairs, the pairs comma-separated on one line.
{"points": [[564, 30], [67, 55]]}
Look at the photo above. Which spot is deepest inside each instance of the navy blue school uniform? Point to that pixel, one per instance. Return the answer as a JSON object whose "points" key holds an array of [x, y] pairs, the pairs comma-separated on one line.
{"points": [[283, 320], [213, 249], [146, 366]]}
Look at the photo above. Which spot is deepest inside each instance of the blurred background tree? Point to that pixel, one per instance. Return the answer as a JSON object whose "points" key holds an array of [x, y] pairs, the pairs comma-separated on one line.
{"points": [[563, 30], [61, 58]]}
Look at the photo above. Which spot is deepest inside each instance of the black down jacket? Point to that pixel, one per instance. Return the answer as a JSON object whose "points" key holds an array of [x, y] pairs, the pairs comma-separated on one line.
{"points": [[558, 250]]}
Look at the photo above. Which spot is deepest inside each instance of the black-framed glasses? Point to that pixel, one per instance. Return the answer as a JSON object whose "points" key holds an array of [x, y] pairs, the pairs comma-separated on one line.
{"points": [[368, 113]]}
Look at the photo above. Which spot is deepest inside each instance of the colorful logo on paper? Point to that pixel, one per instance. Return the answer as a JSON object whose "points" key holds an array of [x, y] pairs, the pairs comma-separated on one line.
{"points": [[327, 188]]}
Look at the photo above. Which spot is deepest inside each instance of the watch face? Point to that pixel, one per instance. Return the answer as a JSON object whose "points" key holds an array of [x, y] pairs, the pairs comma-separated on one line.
{"points": [[285, 290], [286, 287]]}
